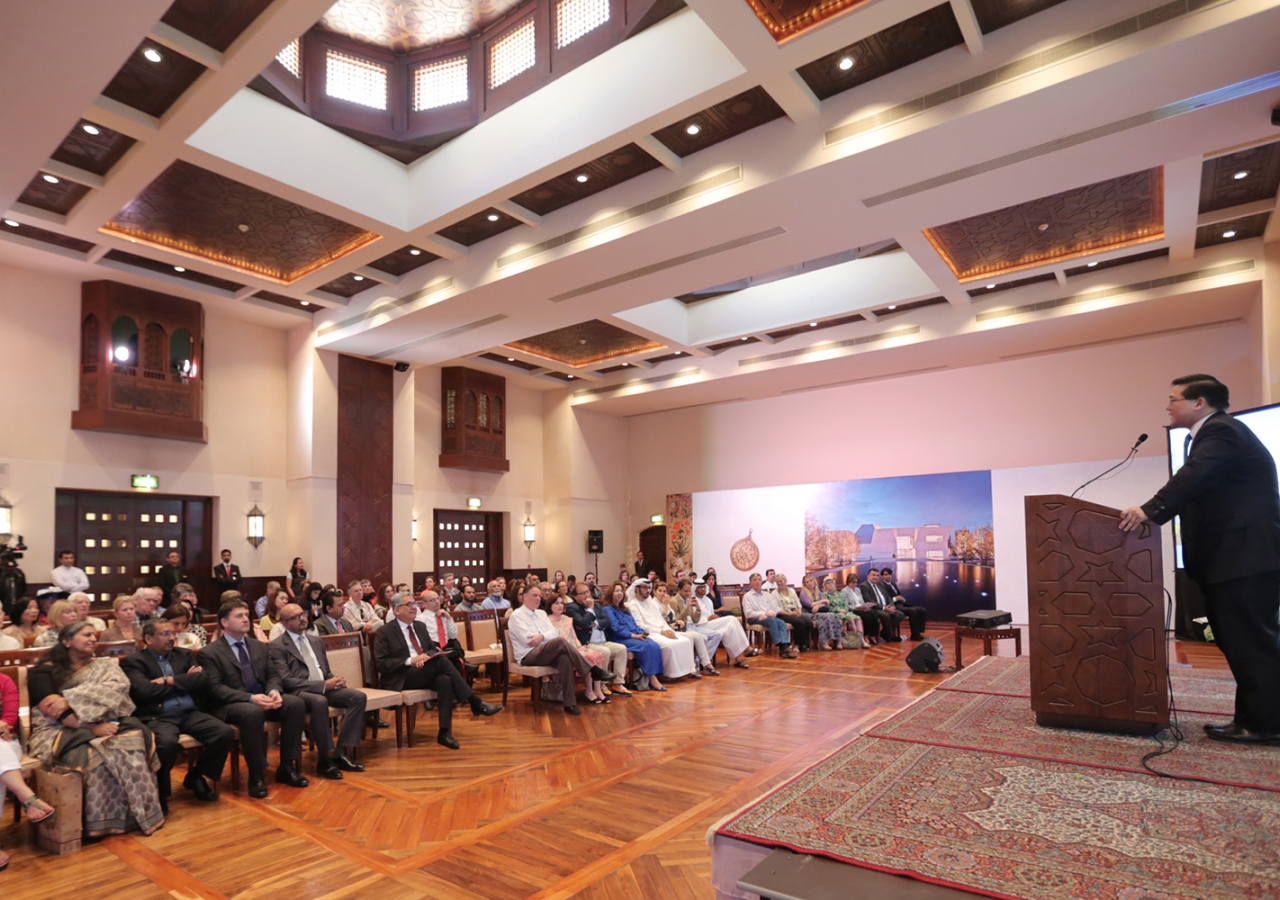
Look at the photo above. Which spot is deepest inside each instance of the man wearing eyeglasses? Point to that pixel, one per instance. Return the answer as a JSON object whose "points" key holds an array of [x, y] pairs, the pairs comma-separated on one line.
{"points": [[1226, 494]]}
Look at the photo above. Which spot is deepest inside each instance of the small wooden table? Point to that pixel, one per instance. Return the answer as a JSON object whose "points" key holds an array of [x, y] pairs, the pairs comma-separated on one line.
{"points": [[986, 635]]}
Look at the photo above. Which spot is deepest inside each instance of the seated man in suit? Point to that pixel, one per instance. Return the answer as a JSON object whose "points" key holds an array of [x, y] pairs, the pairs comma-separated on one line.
{"points": [[441, 627], [330, 620], [226, 575], [876, 596], [246, 692], [302, 666], [916, 615], [167, 689], [407, 659]]}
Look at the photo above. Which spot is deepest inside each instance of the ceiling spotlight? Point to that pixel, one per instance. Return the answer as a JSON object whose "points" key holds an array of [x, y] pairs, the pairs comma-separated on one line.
{"points": [[90, 129], [624, 365], [243, 228], [50, 178], [152, 54], [1241, 174], [1044, 226], [179, 269], [692, 129], [358, 277], [846, 64], [1228, 234], [991, 287], [813, 324], [415, 252], [677, 353], [11, 223], [1092, 264], [893, 306], [746, 338], [582, 179], [305, 302], [570, 377], [493, 217], [511, 359]]}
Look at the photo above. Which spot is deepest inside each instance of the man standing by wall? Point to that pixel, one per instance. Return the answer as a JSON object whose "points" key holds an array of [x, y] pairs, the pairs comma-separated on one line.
{"points": [[1227, 497]]}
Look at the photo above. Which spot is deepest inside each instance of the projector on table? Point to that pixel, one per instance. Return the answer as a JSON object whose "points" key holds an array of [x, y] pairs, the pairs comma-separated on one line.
{"points": [[984, 618]]}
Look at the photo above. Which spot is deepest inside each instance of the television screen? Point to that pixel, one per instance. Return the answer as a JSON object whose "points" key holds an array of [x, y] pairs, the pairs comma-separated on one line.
{"points": [[1264, 421]]}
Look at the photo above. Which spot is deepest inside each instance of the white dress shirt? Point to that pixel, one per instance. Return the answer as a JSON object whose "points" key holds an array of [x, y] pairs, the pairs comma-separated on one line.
{"points": [[428, 618], [523, 624], [758, 604], [69, 579]]}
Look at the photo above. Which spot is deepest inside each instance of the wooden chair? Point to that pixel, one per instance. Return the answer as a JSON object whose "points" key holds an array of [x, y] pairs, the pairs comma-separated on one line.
{"points": [[483, 634], [347, 659], [537, 674], [115, 649], [23, 658]]}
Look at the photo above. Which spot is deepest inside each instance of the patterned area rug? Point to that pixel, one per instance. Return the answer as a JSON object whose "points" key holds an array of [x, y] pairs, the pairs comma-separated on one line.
{"points": [[1007, 725], [1207, 691], [1021, 828]]}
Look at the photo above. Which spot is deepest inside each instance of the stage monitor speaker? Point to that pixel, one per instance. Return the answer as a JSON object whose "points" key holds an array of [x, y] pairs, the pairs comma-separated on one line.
{"points": [[927, 656], [595, 541]]}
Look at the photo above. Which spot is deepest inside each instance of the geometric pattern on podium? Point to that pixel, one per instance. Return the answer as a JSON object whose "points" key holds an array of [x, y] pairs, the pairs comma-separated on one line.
{"points": [[1098, 654]]}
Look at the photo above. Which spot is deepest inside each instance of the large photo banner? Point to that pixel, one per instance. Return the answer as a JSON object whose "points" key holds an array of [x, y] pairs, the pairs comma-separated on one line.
{"points": [[933, 531]]}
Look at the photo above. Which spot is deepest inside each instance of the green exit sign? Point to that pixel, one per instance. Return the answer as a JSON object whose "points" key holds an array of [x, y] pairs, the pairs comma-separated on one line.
{"points": [[146, 482]]}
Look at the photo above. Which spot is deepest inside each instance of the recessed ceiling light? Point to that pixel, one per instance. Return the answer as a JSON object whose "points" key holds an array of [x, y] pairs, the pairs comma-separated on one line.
{"points": [[893, 306], [582, 179], [1092, 264], [415, 252], [570, 377], [305, 302], [692, 129], [11, 223], [358, 277], [493, 217], [90, 129], [846, 64], [243, 227], [179, 269], [624, 365], [152, 54], [1228, 234], [677, 353], [746, 338], [1241, 174], [990, 287], [511, 359], [813, 324], [51, 179], [1043, 226]]}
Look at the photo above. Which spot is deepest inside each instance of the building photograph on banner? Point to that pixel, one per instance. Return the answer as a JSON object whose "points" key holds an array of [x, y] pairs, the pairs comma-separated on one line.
{"points": [[933, 531]]}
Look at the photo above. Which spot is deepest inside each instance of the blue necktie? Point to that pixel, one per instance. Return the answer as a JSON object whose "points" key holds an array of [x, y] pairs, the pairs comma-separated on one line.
{"points": [[1186, 446], [250, 680]]}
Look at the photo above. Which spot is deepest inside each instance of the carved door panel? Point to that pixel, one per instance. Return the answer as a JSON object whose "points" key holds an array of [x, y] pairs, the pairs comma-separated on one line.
{"points": [[464, 545]]}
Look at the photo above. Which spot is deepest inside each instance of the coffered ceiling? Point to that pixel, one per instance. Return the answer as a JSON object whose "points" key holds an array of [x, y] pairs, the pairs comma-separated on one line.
{"points": [[821, 222]]}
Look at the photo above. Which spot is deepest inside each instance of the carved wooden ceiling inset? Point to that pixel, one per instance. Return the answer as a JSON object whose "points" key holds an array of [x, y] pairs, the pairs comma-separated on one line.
{"points": [[152, 87], [348, 285], [216, 23], [46, 237], [1118, 261], [720, 122], [898, 46], [155, 265], [993, 14], [481, 226], [281, 300], [60, 197], [1239, 178], [584, 344], [407, 25], [1108, 215], [727, 345], [900, 308], [786, 18], [601, 173], [94, 151], [200, 213], [403, 261], [1230, 232]]}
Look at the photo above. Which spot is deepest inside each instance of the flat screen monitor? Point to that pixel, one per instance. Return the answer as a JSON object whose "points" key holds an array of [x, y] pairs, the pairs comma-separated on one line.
{"points": [[1264, 421]]}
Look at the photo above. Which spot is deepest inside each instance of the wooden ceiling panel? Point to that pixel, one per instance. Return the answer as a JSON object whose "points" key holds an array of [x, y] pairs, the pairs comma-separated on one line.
{"points": [[815, 326], [96, 150], [900, 308], [510, 361], [786, 18], [993, 14], [601, 173], [348, 285], [1239, 178], [200, 213], [152, 87], [584, 344], [164, 268], [1235, 230], [404, 260], [720, 122], [60, 197], [898, 46], [10, 226], [281, 300], [1108, 215], [728, 345], [216, 23], [482, 226]]}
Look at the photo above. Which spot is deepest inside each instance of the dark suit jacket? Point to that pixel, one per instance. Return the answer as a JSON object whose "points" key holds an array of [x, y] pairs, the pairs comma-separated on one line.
{"points": [[291, 668], [1226, 496], [583, 619], [870, 594], [225, 583], [170, 577], [324, 626], [223, 668], [390, 650], [141, 667]]}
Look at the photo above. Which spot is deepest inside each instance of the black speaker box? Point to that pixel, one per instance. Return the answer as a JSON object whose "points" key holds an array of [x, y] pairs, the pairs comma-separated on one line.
{"points": [[984, 618], [595, 541], [927, 656]]}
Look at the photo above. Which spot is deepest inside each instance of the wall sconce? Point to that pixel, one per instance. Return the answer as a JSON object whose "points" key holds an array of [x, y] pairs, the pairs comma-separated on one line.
{"points": [[530, 533], [473, 503], [414, 529], [6, 520], [257, 526]]}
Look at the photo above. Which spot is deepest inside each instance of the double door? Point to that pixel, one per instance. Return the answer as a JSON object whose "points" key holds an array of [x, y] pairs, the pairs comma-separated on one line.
{"points": [[468, 543]]}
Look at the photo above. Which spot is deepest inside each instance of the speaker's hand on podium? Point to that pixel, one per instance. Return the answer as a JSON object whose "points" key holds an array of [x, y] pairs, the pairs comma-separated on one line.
{"points": [[1131, 518]]}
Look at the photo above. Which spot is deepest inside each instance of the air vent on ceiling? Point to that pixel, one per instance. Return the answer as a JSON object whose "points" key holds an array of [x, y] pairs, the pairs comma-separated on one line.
{"points": [[377, 309], [438, 336], [834, 345]]}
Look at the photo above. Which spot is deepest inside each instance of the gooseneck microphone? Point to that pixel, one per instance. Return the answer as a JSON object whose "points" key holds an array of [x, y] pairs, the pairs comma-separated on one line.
{"points": [[1132, 450]]}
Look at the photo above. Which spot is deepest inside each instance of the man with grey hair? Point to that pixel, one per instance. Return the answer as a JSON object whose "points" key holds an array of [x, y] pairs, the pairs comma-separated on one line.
{"points": [[81, 600], [146, 600], [408, 659]]}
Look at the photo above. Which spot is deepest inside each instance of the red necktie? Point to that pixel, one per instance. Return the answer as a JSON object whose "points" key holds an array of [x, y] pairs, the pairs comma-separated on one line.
{"points": [[413, 639], [228, 570], [440, 628]]}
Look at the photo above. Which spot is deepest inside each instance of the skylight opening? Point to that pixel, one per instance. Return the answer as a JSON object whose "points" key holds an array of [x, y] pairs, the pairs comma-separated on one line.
{"points": [[513, 53], [291, 57], [356, 80], [441, 83], [574, 18]]}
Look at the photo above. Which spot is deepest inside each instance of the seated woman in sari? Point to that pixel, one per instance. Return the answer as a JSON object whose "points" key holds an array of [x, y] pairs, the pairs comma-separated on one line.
{"points": [[81, 719], [621, 628], [815, 603]]}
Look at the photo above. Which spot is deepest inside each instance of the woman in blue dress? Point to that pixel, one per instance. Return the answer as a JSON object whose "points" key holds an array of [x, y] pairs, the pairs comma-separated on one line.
{"points": [[621, 628]]}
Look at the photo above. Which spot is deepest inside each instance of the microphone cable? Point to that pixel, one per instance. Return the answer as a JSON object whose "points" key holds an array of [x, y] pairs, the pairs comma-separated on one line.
{"points": [[1132, 452]]}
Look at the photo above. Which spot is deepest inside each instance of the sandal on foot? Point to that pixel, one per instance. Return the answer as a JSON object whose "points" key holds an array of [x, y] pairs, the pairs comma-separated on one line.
{"points": [[661, 687], [48, 811], [710, 670], [741, 664]]}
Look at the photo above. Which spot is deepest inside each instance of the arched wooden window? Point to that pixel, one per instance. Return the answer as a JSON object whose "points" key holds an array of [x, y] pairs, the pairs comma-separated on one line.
{"points": [[180, 358], [124, 341], [153, 348], [469, 408], [89, 341], [495, 417]]}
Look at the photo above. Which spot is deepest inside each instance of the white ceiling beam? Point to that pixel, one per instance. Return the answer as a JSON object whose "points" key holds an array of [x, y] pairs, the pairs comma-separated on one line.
{"points": [[1236, 212], [1181, 206], [659, 151], [71, 173], [441, 246], [124, 119], [968, 22], [927, 258], [168, 36], [518, 212]]}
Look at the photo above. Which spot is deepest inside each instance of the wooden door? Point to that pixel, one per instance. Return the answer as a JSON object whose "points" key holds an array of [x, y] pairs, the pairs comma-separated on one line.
{"points": [[467, 543], [653, 544]]}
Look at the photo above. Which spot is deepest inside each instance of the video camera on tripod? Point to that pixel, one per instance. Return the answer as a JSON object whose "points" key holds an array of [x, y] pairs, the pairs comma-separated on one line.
{"points": [[13, 583]]}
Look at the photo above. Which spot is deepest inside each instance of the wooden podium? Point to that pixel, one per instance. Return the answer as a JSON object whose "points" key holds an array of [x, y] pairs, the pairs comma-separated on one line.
{"points": [[1096, 604]]}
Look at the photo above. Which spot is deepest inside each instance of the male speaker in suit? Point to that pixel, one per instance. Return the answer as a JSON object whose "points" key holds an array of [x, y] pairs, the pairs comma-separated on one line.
{"points": [[302, 666], [226, 574], [408, 659], [246, 692], [167, 687], [875, 596], [1227, 497]]}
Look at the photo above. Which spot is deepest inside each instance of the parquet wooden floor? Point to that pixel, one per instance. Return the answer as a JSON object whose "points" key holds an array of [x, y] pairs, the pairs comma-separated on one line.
{"points": [[612, 805]]}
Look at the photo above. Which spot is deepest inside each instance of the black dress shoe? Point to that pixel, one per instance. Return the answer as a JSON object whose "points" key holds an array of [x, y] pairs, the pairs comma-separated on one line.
{"points": [[1210, 727], [896, 639], [917, 637], [573, 710], [164, 806], [600, 674], [326, 769], [1235, 734], [448, 740], [257, 788], [347, 764], [198, 786], [486, 709], [289, 775]]}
